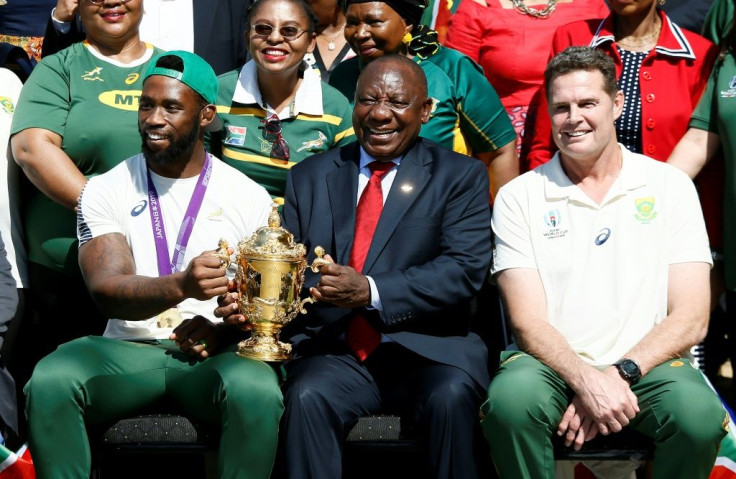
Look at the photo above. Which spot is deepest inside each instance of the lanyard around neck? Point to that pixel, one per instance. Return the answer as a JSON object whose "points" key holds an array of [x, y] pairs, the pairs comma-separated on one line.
{"points": [[168, 266]]}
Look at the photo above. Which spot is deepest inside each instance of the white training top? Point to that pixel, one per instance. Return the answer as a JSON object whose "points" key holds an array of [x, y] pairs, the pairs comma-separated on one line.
{"points": [[234, 207], [604, 267]]}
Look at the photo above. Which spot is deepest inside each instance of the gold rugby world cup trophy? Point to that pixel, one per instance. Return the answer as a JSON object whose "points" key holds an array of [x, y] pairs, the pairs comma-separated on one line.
{"points": [[270, 275]]}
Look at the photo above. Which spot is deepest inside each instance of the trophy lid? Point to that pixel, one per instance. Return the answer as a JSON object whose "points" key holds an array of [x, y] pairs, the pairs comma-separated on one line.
{"points": [[272, 241]]}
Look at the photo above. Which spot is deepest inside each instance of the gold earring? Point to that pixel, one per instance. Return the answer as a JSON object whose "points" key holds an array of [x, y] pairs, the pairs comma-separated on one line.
{"points": [[407, 38]]}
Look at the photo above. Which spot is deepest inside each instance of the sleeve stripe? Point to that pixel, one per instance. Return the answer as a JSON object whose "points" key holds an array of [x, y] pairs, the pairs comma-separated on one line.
{"points": [[343, 134], [262, 160]]}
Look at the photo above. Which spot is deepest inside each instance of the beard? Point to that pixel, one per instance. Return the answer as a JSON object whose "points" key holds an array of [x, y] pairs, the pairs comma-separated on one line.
{"points": [[179, 150]]}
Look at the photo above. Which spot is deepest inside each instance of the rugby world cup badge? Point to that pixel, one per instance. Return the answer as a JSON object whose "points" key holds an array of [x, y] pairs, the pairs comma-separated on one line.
{"points": [[553, 220], [731, 92]]}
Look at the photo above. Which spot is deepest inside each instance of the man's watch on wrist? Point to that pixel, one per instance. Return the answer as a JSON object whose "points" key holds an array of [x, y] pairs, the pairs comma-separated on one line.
{"points": [[628, 369]]}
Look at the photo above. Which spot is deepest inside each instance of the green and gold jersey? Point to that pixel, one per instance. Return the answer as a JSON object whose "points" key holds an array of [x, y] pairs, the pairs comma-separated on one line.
{"points": [[243, 144], [92, 103]]}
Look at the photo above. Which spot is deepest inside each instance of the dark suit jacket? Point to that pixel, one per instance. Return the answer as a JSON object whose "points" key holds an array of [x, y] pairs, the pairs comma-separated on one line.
{"points": [[429, 256], [219, 29]]}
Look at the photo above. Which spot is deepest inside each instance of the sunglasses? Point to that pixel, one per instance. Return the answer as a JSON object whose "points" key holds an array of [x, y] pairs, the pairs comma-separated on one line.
{"points": [[288, 33], [100, 2], [272, 132]]}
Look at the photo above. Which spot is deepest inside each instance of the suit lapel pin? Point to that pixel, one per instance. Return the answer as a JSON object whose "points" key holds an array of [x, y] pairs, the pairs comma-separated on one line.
{"points": [[406, 188]]}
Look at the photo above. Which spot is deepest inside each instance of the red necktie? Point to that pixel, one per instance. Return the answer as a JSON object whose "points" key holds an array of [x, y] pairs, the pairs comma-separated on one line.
{"points": [[361, 336]]}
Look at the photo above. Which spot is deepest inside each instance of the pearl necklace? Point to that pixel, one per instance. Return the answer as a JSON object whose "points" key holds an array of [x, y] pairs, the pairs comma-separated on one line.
{"points": [[544, 13]]}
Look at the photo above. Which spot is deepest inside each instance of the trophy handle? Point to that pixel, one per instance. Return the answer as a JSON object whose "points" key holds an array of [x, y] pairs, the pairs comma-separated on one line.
{"points": [[304, 302], [316, 266], [319, 261], [222, 252]]}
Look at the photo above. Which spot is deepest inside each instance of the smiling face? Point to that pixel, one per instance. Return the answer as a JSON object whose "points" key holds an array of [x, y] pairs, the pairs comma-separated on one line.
{"points": [[374, 29], [170, 117], [582, 114], [273, 53], [111, 21], [391, 105]]}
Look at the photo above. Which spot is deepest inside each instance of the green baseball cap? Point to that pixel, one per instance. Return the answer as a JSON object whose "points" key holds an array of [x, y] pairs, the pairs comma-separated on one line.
{"points": [[197, 74]]}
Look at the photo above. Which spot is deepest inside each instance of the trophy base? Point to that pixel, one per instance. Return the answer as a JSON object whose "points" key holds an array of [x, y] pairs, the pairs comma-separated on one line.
{"points": [[264, 348]]}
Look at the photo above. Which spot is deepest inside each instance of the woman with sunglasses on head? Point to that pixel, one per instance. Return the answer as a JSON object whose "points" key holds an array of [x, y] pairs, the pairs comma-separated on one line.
{"points": [[76, 118], [276, 110], [467, 115]]}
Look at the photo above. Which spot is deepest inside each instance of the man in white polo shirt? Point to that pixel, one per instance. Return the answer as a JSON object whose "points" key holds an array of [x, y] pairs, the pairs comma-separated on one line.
{"points": [[602, 260]]}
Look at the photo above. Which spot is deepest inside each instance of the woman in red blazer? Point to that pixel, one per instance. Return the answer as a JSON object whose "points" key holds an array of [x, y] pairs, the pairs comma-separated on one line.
{"points": [[662, 70]]}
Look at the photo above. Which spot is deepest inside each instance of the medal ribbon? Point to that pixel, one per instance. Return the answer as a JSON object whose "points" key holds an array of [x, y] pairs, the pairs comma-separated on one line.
{"points": [[166, 266]]}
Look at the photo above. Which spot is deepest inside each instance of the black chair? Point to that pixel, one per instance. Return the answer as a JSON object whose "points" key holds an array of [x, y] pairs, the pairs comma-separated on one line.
{"points": [[154, 445], [166, 445], [376, 441]]}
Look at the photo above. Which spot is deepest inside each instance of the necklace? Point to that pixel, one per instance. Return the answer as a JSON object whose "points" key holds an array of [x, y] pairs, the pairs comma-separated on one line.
{"points": [[331, 45], [543, 13], [642, 41]]}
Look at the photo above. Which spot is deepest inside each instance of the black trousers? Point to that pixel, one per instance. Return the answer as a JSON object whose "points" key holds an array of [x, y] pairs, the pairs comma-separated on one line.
{"points": [[325, 396]]}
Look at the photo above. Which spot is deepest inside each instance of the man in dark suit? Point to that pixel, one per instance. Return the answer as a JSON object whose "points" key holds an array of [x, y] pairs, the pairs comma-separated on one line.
{"points": [[218, 31], [391, 328]]}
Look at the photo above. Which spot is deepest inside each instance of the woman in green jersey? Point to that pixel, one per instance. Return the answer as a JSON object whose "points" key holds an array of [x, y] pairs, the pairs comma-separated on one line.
{"points": [[276, 111], [76, 118]]}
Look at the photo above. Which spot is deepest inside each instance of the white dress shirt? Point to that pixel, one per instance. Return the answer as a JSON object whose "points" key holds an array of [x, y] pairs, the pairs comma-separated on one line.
{"points": [[168, 24]]}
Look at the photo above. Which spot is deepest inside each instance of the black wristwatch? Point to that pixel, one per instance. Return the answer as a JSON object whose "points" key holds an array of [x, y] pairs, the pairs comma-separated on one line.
{"points": [[628, 369]]}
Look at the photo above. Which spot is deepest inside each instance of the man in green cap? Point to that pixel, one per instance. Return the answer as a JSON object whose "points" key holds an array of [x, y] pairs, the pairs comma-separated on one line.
{"points": [[146, 230]]}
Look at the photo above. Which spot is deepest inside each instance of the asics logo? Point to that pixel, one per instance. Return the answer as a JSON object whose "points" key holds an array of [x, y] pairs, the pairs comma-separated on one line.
{"points": [[139, 208], [603, 236]]}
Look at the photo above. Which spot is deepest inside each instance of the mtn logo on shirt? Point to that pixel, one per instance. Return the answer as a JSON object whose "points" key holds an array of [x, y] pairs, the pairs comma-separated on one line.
{"points": [[121, 99]]}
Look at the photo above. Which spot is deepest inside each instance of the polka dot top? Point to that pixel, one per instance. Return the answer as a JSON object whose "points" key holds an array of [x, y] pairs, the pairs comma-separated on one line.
{"points": [[628, 126]]}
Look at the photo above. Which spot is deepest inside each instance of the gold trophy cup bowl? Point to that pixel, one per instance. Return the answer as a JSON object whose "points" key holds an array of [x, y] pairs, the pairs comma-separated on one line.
{"points": [[269, 278]]}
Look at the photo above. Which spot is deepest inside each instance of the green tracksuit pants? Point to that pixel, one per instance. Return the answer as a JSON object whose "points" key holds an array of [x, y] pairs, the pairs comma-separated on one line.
{"points": [[94, 380], [526, 401]]}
